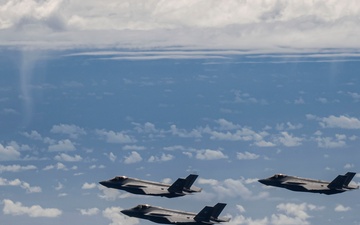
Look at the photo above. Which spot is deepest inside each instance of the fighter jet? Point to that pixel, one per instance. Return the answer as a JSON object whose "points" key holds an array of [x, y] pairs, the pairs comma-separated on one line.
{"points": [[179, 188], [207, 216], [338, 185]]}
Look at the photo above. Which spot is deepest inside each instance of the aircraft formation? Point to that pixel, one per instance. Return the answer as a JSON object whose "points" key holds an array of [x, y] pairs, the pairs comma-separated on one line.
{"points": [[210, 214]]}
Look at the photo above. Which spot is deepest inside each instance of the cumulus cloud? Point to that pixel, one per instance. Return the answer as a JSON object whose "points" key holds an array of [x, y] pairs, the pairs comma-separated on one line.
{"points": [[195, 133], [58, 166], [294, 213], [134, 157], [111, 156], [288, 214], [16, 209], [62, 145], [163, 158], [227, 125], [8, 153], [209, 154], [16, 168], [89, 212], [22, 184], [115, 137], [341, 208], [344, 122], [232, 188], [289, 140], [330, 142], [117, 218], [72, 130], [246, 155], [88, 186], [67, 158]]}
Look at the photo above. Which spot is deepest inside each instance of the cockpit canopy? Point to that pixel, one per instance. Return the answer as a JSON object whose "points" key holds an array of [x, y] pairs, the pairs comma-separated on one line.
{"points": [[118, 178], [278, 176], [141, 207]]}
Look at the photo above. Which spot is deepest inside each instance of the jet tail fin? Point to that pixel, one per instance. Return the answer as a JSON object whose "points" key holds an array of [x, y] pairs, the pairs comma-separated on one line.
{"points": [[177, 186], [341, 180], [218, 208], [211, 213], [349, 177], [190, 180]]}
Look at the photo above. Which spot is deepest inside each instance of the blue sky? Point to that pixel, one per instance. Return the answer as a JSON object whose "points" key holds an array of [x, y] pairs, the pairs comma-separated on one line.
{"points": [[154, 90]]}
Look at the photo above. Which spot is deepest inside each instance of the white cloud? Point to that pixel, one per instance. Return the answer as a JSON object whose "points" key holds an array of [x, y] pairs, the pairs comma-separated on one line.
{"points": [[58, 166], [118, 218], [355, 96], [348, 166], [8, 153], [174, 148], [16, 168], [162, 158], [227, 125], [134, 147], [88, 186], [246, 155], [22, 184], [299, 101], [33, 135], [243, 134], [288, 214], [59, 187], [16, 209], [294, 213], [208, 154], [115, 137], [344, 122], [232, 188], [67, 158], [72, 130], [134, 157], [234, 25], [184, 133], [341, 208], [289, 140], [62, 145], [89, 212], [288, 126], [111, 156], [329, 142], [240, 208], [111, 194]]}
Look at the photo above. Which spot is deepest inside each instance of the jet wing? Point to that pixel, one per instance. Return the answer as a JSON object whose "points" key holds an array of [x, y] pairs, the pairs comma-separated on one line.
{"points": [[133, 186], [295, 183], [153, 191]]}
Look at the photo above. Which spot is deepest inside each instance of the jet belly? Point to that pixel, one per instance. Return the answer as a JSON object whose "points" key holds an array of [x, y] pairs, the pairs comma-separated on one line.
{"points": [[304, 185], [170, 217]]}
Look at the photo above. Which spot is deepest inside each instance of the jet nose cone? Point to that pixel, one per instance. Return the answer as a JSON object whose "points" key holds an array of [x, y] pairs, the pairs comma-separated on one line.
{"points": [[104, 183], [263, 181], [126, 212]]}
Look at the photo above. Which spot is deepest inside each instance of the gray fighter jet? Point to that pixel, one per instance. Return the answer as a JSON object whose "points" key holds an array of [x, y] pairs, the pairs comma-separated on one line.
{"points": [[340, 184], [179, 188], [207, 216]]}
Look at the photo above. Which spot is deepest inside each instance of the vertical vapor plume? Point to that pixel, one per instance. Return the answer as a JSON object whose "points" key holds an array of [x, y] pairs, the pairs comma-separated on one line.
{"points": [[27, 64]]}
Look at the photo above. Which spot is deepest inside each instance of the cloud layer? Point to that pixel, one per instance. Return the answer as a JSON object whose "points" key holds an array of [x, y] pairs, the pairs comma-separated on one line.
{"points": [[258, 24]]}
